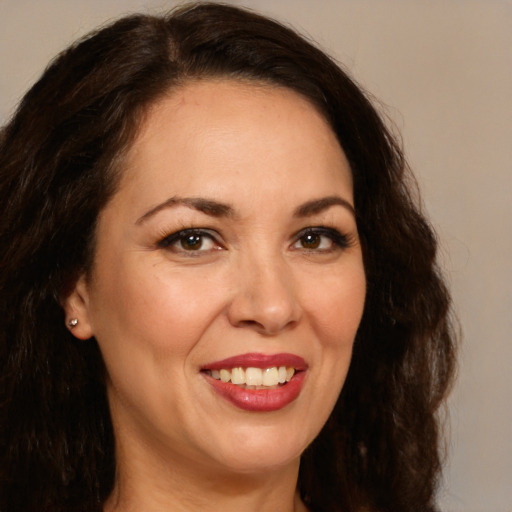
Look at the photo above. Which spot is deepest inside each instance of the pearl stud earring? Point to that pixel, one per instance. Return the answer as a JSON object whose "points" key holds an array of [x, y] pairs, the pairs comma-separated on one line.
{"points": [[73, 323]]}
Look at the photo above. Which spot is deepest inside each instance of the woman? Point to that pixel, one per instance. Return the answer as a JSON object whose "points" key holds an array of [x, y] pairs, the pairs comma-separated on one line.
{"points": [[217, 289]]}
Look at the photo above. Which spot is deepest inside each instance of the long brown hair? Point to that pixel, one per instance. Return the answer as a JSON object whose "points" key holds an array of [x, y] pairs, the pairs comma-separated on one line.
{"points": [[60, 157]]}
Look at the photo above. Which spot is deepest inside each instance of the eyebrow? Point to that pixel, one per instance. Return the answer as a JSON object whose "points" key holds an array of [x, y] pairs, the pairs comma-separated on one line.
{"points": [[207, 206], [217, 209], [319, 205]]}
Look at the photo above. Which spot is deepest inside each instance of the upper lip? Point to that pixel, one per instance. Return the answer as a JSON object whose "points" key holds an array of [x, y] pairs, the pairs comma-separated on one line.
{"points": [[256, 360]]}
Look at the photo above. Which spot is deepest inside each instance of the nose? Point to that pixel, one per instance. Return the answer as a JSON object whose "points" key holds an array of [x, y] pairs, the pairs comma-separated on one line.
{"points": [[265, 297]]}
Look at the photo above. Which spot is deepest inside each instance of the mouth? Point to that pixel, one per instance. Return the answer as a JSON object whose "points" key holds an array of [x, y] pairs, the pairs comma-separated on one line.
{"points": [[257, 382], [254, 378]]}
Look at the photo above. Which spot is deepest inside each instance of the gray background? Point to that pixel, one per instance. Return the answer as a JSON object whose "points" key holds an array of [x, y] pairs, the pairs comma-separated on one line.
{"points": [[443, 72]]}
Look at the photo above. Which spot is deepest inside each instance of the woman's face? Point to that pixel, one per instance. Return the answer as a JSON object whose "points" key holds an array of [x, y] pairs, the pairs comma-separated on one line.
{"points": [[230, 252]]}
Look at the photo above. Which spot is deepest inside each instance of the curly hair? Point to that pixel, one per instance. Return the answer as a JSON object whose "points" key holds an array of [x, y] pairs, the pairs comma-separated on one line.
{"points": [[60, 158]]}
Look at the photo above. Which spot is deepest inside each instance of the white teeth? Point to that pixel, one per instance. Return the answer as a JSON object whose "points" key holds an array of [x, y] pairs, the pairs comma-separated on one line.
{"points": [[267, 377], [253, 377], [238, 376], [270, 377]]}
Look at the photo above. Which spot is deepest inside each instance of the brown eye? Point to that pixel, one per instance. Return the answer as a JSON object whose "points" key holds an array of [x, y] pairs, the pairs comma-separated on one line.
{"points": [[320, 239], [311, 241], [191, 242]]}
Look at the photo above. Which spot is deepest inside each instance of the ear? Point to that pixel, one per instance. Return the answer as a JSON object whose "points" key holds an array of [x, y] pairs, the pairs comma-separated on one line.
{"points": [[76, 307]]}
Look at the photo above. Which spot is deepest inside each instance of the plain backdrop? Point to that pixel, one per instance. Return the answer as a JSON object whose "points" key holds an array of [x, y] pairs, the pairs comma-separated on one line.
{"points": [[442, 70]]}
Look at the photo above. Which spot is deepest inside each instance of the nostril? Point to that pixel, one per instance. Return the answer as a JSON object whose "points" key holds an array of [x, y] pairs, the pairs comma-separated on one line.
{"points": [[267, 328], [250, 323], [265, 301]]}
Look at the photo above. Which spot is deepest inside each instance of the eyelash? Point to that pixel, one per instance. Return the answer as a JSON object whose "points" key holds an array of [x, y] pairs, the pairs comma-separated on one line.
{"points": [[338, 240], [168, 240]]}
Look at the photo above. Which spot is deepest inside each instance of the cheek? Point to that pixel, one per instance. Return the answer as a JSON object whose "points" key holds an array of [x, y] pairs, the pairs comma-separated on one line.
{"points": [[147, 321], [334, 311], [337, 312], [338, 307], [151, 307]]}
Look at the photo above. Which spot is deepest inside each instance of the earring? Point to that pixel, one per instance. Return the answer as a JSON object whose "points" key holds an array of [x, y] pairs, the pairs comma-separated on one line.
{"points": [[73, 323]]}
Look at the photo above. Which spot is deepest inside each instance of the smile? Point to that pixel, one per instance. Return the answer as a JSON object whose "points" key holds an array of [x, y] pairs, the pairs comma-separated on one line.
{"points": [[254, 378], [257, 382]]}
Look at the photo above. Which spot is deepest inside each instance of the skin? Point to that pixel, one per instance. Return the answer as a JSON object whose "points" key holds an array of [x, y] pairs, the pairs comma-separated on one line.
{"points": [[256, 283]]}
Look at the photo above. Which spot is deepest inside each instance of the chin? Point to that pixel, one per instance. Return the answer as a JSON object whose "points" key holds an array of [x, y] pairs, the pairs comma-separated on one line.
{"points": [[254, 464], [262, 450]]}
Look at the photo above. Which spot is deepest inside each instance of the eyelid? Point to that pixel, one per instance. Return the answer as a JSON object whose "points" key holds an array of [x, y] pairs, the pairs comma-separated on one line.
{"points": [[168, 239], [339, 239]]}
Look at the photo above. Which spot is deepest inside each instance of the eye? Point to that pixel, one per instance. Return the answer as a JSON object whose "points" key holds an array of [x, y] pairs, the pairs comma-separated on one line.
{"points": [[320, 239], [190, 240]]}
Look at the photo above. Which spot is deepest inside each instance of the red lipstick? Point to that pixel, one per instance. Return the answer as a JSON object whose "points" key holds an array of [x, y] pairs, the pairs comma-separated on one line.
{"points": [[259, 400], [256, 360]]}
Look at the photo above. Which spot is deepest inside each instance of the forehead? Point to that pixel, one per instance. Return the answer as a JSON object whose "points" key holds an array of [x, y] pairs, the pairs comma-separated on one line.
{"points": [[225, 130]]}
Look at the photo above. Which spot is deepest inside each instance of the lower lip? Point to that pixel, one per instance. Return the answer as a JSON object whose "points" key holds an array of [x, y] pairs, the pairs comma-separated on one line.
{"points": [[259, 400]]}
